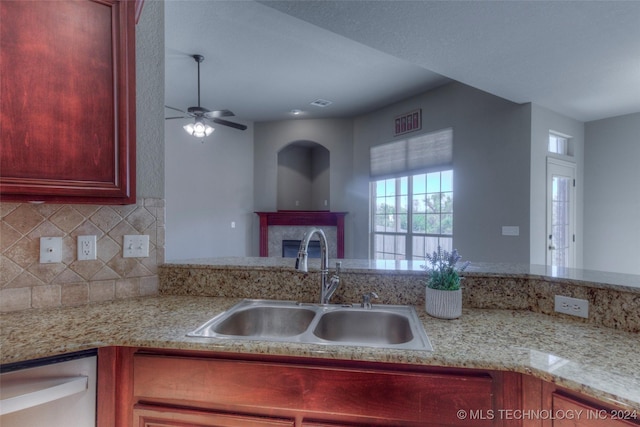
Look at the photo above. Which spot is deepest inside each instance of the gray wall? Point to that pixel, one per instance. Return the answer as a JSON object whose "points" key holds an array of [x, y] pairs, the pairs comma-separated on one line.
{"points": [[208, 186], [612, 195], [542, 122], [491, 169], [303, 177], [150, 101], [336, 135], [320, 178]]}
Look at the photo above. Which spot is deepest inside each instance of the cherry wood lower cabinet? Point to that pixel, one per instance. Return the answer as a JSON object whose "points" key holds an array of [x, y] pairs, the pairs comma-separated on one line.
{"points": [[547, 405], [158, 416], [144, 388]]}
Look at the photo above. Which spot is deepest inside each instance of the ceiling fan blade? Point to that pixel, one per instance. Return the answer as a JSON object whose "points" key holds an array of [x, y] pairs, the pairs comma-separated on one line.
{"points": [[179, 117], [218, 113], [176, 109], [228, 123]]}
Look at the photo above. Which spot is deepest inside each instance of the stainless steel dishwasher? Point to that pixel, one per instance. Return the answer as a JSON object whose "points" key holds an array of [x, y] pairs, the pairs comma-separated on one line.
{"points": [[51, 392]]}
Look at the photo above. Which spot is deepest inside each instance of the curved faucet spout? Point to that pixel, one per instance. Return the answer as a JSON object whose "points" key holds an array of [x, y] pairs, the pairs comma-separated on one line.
{"points": [[301, 260], [326, 289]]}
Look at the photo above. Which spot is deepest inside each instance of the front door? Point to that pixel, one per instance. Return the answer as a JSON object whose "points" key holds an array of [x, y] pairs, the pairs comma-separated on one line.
{"points": [[560, 213]]}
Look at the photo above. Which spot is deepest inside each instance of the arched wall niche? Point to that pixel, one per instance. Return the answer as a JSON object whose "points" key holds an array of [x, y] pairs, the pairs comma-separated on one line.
{"points": [[303, 177]]}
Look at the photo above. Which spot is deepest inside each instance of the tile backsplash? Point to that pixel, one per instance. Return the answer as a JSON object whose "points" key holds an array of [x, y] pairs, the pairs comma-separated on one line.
{"points": [[25, 283]]}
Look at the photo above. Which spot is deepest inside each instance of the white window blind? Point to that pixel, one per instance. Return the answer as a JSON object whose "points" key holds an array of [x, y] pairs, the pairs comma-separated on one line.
{"points": [[420, 152]]}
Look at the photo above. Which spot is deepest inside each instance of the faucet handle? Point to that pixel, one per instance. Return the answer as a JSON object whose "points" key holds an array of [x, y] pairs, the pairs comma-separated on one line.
{"points": [[366, 299]]}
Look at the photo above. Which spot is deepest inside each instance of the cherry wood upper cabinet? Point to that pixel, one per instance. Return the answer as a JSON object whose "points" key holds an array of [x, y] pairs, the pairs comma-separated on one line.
{"points": [[67, 72]]}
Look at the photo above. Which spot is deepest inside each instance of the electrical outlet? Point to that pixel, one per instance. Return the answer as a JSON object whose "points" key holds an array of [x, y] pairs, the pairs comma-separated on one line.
{"points": [[50, 250], [136, 246], [86, 248], [572, 306]]}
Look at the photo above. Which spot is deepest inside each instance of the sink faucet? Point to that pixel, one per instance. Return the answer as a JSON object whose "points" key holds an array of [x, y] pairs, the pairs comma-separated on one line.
{"points": [[366, 300], [327, 289]]}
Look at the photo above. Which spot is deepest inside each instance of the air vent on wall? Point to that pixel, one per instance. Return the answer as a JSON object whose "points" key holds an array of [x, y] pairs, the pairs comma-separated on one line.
{"points": [[321, 102]]}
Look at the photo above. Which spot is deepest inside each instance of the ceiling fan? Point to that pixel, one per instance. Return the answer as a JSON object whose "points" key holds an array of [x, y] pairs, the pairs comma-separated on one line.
{"points": [[199, 127]]}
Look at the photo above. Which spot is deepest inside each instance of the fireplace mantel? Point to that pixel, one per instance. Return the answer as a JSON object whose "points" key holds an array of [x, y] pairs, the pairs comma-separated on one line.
{"points": [[308, 218]]}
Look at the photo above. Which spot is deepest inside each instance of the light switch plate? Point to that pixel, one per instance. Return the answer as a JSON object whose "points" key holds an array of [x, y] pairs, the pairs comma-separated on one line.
{"points": [[50, 250], [135, 246], [510, 230]]}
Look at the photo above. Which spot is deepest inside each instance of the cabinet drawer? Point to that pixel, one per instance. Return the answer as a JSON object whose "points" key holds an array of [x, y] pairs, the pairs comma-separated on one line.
{"points": [[278, 388], [153, 416]]}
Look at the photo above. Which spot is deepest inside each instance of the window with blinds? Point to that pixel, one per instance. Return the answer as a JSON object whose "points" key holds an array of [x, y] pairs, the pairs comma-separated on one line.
{"points": [[427, 151], [412, 196]]}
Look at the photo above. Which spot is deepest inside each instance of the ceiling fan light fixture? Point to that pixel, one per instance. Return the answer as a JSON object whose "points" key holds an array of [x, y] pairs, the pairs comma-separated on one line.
{"points": [[199, 129]]}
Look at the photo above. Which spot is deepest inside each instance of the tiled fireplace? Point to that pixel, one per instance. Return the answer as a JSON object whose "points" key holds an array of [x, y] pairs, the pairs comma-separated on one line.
{"points": [[275, 227]]}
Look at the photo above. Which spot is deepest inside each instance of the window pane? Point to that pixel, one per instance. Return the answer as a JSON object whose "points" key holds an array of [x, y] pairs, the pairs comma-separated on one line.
{"points": [[404, 185], [446, 202], [446, 224], [446, 183], [558, 144], [433, 203], [403, 223], [433, 182], [419, 247], [390, 205], [401, 246], [419, 203], [433, 224], [431, 244], [379, 188], [390, 187], [419, 184], [446, 243], [389, 244], [419, 223], [389, 222]]}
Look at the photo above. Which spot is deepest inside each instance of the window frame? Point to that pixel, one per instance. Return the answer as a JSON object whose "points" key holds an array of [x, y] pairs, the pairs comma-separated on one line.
{"points": [[409, 234]]}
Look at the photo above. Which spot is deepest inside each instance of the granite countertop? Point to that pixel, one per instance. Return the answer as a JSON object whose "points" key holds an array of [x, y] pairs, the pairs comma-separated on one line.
{"points": [[591, 278], [598, 361]]}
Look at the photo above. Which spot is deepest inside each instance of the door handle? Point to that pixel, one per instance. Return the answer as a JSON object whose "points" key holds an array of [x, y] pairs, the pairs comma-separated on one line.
{"points": [[27, 393]]}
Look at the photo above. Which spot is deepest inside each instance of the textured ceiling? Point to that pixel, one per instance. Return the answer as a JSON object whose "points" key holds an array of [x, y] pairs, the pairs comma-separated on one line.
{"points": [[581, 59], [261, 64]]}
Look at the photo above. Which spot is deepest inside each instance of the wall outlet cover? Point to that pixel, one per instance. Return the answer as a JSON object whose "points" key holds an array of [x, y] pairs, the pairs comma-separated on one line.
{"points": [[50, 250], [572, 306], [86, 248]]}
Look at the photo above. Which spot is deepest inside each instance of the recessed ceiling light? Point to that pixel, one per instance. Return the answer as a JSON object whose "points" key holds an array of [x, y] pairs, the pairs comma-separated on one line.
{"points": [[321, 102], [296, 112]]}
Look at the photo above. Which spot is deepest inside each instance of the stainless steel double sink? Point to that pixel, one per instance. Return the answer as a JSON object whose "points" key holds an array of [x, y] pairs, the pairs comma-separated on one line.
{"points": [[384, 326]]}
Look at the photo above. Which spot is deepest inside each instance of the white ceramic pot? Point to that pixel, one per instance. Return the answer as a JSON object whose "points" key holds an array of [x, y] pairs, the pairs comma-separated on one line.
{"points": [[443, 304]]}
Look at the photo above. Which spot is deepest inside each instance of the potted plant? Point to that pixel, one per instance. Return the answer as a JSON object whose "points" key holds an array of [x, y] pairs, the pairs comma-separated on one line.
{"points": [[443, 297]]}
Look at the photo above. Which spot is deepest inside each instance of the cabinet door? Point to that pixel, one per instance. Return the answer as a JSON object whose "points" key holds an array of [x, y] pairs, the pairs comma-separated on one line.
{"points": [[158, 416], [336, 394], [67, 78], [573, 413]]}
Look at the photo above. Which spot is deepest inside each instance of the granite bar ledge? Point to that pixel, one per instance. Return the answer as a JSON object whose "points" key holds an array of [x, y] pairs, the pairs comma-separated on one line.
{"points": [[614, 303]]}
